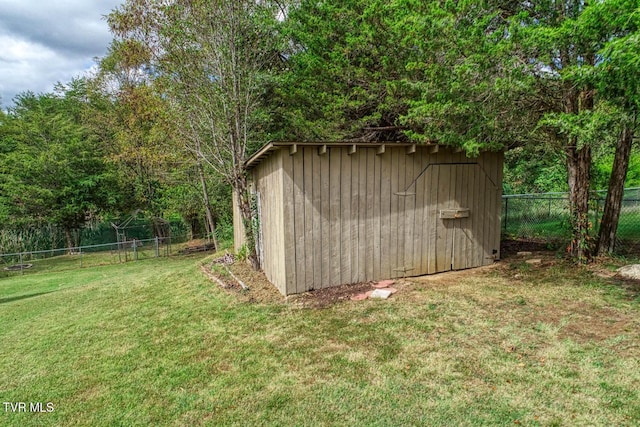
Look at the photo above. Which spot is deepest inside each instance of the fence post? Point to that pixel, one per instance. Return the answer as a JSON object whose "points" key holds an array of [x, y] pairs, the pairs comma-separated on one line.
{"points": [[135, 250], [157, 247], [21, 264], [80, 252]]}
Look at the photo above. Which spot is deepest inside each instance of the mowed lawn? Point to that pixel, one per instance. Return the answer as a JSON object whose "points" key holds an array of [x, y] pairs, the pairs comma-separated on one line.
{"points": [[156, 343]]}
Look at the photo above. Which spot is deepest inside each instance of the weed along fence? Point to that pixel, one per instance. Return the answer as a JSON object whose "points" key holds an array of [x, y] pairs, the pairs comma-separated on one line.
{"points": [[84, 256], [545, 216]]}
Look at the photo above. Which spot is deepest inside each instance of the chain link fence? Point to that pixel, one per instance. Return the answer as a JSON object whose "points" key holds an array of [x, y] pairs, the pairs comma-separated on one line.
{"points": [[83, 256], [545, 217]]}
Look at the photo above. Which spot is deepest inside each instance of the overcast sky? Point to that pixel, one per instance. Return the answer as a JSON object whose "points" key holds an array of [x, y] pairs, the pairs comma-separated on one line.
{"points": [[47, 41]]}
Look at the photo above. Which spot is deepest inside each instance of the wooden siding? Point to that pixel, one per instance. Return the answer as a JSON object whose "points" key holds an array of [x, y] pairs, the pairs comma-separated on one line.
{"points": [[269, 192], [337, 217]]}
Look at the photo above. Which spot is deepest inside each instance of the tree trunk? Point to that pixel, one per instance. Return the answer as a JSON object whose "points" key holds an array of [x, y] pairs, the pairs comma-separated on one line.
{"points": [[578, 168], [72, 241], [613, 204], [67, 234], [211, 225], [244, 203]]}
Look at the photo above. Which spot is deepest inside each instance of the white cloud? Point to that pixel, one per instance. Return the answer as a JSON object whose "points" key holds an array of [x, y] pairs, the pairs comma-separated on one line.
{"points": [[42, 43]]}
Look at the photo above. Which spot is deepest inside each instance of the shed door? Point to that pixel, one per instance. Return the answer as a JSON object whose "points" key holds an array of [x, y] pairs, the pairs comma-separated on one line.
{"points": [[450, 218], [454, 241]]}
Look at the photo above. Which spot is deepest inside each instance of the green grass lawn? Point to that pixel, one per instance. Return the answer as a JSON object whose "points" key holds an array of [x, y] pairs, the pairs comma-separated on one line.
{"points": [[156, 343]]}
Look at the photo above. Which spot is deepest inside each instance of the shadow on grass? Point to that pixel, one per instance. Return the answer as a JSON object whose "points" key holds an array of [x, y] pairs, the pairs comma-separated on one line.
{"points": [[19, 297]]}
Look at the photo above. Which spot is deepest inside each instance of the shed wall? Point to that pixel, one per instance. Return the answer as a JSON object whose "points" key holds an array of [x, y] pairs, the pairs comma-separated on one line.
{"points": [[269, 191], [344, 217], [364, 216]]}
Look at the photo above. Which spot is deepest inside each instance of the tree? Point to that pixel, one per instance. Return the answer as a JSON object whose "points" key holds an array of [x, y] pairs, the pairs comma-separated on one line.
{"points": [[616, 77], [209, 59], [53, 169], [138, 135], [509, 73], [345, 71]]}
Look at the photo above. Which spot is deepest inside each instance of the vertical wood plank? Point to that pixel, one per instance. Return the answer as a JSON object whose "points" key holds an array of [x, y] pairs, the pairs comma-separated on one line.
{"points": [[364, 239], [262, 174], [335, 157], [395, 202], [355, 214], [310, 243], [410, 213], [369, 231], [459, 253], [279, 252], [269, 204], [288, 219], [298, 220], [316, 213], [325, 219], [465, 224], [451, 224], [432, 212], [385, 214], [426, 207], [442, 260], [345, 217], [474, 256], [377, 216], [402, 210], [419, 238]]}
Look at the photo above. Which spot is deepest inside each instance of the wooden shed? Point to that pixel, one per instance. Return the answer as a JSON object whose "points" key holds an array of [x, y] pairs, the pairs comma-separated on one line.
{"points": [[338, 213]]}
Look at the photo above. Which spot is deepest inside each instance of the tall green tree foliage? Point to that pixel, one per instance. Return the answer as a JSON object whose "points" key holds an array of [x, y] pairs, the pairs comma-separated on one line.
{"points": [[473, 74], [346, 70], [510, 73], [209, 58], [615, 76], [52, 169], [471, 87], [431, 71], [154, 172], [568, 42]]}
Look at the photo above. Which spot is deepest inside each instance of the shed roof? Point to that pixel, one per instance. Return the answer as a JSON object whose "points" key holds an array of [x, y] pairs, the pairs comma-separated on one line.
{"points": [[270, 147]]}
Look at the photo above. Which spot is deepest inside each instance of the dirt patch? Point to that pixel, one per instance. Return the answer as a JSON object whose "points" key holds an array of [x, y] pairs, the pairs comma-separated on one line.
{"points": [[322, 298], [260, 291], [582, 322], [510, 248]]}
